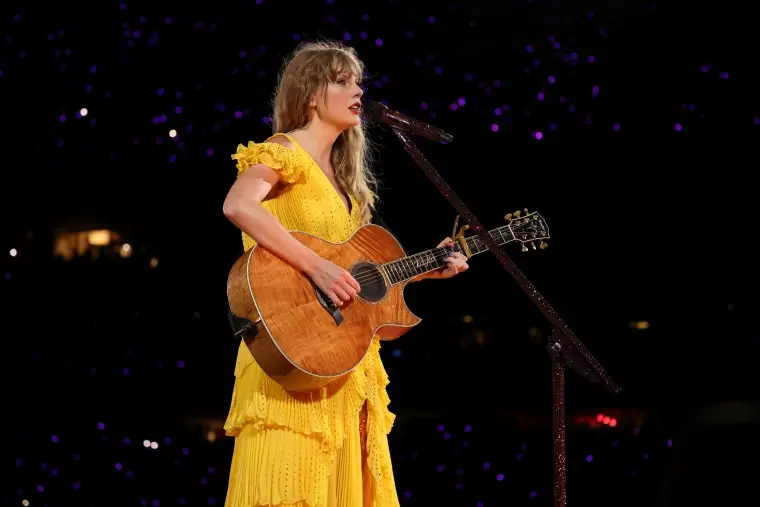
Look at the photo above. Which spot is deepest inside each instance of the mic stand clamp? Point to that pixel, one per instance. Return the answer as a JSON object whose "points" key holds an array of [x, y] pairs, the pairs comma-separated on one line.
{"points": [[564, 348]]}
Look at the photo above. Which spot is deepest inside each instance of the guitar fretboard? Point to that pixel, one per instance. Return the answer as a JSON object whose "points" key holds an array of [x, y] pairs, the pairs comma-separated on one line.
{"points": [[411, 266]]}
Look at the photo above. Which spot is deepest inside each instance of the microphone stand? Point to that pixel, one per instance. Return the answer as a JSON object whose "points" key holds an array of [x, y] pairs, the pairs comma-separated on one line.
{"points": [[564, 348]]}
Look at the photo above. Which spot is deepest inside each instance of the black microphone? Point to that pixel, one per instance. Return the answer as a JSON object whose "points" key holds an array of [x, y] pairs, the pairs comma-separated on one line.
{"points": [[383, 114]]}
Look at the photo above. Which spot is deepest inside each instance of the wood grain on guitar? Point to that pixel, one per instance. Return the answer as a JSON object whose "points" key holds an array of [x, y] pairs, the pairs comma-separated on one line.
{"points": [[303, 341]]}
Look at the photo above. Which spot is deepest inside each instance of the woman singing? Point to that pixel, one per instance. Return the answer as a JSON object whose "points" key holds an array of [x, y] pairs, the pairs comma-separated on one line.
{"points": [[328, 448]]}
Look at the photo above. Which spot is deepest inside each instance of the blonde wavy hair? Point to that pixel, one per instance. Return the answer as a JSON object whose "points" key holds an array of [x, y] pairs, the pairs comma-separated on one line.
{"points": [[308, 71]]}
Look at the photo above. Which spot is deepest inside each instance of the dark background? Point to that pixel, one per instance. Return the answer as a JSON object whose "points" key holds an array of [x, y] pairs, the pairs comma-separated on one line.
{"points": [[648, 223]]}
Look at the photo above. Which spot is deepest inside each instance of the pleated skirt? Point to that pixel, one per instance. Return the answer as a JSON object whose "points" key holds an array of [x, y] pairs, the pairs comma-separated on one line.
{"points": [[323, 449]]}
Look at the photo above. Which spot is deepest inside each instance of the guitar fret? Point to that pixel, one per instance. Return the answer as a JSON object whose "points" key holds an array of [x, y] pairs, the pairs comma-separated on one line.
{"points": [[477, 246], [401, 268], [397, 272], [411, 266]]}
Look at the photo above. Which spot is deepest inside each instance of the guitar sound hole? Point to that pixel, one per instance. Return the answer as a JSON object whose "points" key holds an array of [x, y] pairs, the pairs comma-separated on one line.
{"points": [[371, 280]]}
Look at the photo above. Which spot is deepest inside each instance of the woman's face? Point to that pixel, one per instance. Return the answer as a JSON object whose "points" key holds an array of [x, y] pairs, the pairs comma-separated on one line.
{"points": [[341, 102]]}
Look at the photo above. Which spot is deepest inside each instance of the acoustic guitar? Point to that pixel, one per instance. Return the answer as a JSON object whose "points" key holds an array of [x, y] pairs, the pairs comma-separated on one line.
{"points": [[302, 340]]}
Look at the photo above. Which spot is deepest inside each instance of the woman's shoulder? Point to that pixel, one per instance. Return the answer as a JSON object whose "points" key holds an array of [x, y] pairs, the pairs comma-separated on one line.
{"points": [[273, 142], [282, 140]]}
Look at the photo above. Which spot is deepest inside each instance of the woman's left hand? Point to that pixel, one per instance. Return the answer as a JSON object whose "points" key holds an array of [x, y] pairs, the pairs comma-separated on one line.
{"points": [[455, 263]]}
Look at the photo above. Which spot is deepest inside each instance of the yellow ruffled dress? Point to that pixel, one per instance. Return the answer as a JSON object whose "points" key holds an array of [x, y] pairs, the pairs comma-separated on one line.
{"points": [[322, 449]]}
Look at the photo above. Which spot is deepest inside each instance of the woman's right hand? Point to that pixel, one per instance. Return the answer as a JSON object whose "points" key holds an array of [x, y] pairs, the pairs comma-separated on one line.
{"points": [[334, 281]]}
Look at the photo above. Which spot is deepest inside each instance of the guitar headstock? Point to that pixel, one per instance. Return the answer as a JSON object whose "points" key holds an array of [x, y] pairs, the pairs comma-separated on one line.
{"points": [[528, 228]]}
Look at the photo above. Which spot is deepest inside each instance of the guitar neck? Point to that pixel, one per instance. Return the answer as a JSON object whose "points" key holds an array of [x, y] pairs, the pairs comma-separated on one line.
{"points": [[415, 265]]}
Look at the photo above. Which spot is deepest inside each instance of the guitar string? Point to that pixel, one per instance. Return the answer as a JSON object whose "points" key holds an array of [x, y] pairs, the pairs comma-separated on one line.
{"points": [[401, 269], [437, 253]]}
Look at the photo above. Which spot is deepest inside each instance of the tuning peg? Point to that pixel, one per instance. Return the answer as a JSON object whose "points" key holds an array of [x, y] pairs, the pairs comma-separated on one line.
{"points": [[508, 217], [524, 248], [543, 245], [517, 214]]}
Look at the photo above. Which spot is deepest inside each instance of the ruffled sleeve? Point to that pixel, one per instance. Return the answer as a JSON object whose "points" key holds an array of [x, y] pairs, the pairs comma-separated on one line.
{"points": [[286, 162]]}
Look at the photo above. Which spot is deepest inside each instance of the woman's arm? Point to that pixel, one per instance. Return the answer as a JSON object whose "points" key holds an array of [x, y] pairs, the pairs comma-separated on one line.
{"points": [[242, 207]]}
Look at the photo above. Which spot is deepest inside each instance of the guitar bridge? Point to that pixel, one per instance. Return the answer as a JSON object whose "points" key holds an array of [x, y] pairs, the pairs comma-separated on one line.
{"points": [[328, 305]]}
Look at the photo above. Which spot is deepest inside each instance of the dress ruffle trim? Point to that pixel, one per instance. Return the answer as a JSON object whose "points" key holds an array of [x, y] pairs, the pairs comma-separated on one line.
{"points": [[287, 162], [316, 414], [379, 423]]}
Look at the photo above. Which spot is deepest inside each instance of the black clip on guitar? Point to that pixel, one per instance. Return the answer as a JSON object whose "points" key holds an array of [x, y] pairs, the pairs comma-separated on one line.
{"points": [[242, 327]]}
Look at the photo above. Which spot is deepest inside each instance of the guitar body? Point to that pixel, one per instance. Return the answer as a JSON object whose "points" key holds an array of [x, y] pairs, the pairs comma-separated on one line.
{"points": [[304, 342]]}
